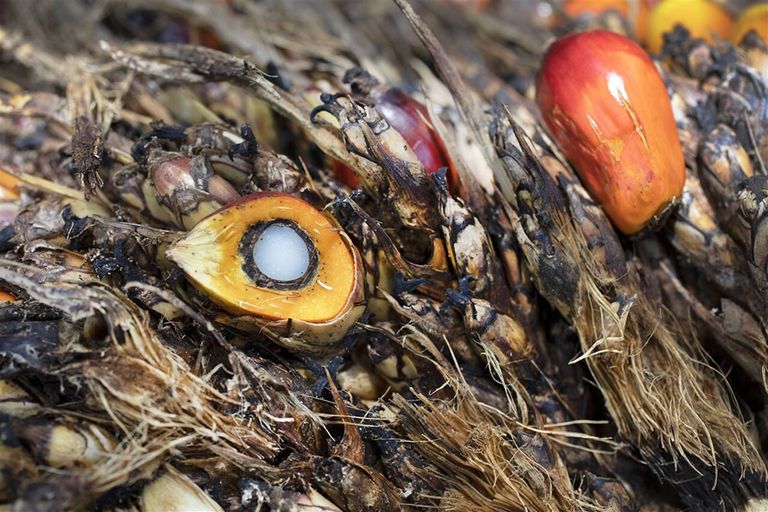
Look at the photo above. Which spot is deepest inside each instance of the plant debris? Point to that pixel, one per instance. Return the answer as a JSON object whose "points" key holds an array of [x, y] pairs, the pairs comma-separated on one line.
{"points": [[325, 255]]}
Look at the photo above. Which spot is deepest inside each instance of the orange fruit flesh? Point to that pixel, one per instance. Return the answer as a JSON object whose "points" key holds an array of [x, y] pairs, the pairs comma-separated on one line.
{"points": [[211, 256]]}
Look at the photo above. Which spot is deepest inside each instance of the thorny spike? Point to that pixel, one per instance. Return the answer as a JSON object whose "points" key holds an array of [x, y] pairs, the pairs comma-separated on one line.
{"points": [[140, 149], [322, 371], [246, 149], [330, 104], [456, 299], [277, 78], [404, 285]]}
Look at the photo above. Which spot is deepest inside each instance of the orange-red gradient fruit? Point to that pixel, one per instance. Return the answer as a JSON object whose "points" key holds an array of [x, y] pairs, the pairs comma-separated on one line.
{"points": [[609, 111]]}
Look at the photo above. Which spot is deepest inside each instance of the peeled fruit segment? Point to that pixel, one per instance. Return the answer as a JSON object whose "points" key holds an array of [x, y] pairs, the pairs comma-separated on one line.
{"points": [[608, 109], [279, 259]]}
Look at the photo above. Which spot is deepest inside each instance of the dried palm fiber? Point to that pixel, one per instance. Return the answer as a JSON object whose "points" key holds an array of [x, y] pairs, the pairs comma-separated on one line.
{"points": [[676, 411], [205, 64], [188, 58], [697, 237], [672, 408], [294, 69], [735, 329], [144, 388], [752, 207], [500, 340], [723, 113], [316, 461], [485, 457], [257, 394]]}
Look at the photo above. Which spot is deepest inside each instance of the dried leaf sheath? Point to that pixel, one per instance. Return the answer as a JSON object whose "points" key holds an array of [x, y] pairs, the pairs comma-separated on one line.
{"points": [[130, 383], [675, 412]]}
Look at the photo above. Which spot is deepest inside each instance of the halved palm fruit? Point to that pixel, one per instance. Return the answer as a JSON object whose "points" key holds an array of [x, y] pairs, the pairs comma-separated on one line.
{"points": [[281, 266]]}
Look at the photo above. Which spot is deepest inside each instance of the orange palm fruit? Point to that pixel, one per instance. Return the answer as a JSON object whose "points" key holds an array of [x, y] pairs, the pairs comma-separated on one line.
{"points": [[702, 18], [635, 11], [607, 107], [9, 186], [753, 18], [282, 263]]}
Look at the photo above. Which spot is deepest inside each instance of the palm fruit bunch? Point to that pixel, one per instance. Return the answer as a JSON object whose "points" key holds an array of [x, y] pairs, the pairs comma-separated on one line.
{"points": [[329, 255]]}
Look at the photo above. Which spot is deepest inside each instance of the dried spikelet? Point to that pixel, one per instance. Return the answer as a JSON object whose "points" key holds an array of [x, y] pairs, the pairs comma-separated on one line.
{"points": [[187, 64], [732, 327], [656, 390], [161, 406], [697, 236], [486, 461], [665, 400]]}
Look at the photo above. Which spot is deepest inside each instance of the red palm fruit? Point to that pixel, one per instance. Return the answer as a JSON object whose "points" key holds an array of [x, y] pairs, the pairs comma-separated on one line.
{"points": [[410, 119], [345, 174], [607, 107]]}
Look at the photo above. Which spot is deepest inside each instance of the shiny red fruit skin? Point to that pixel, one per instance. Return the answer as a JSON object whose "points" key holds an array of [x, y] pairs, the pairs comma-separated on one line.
{"points": [[345, 174], [411, 120], [608, 109]]}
